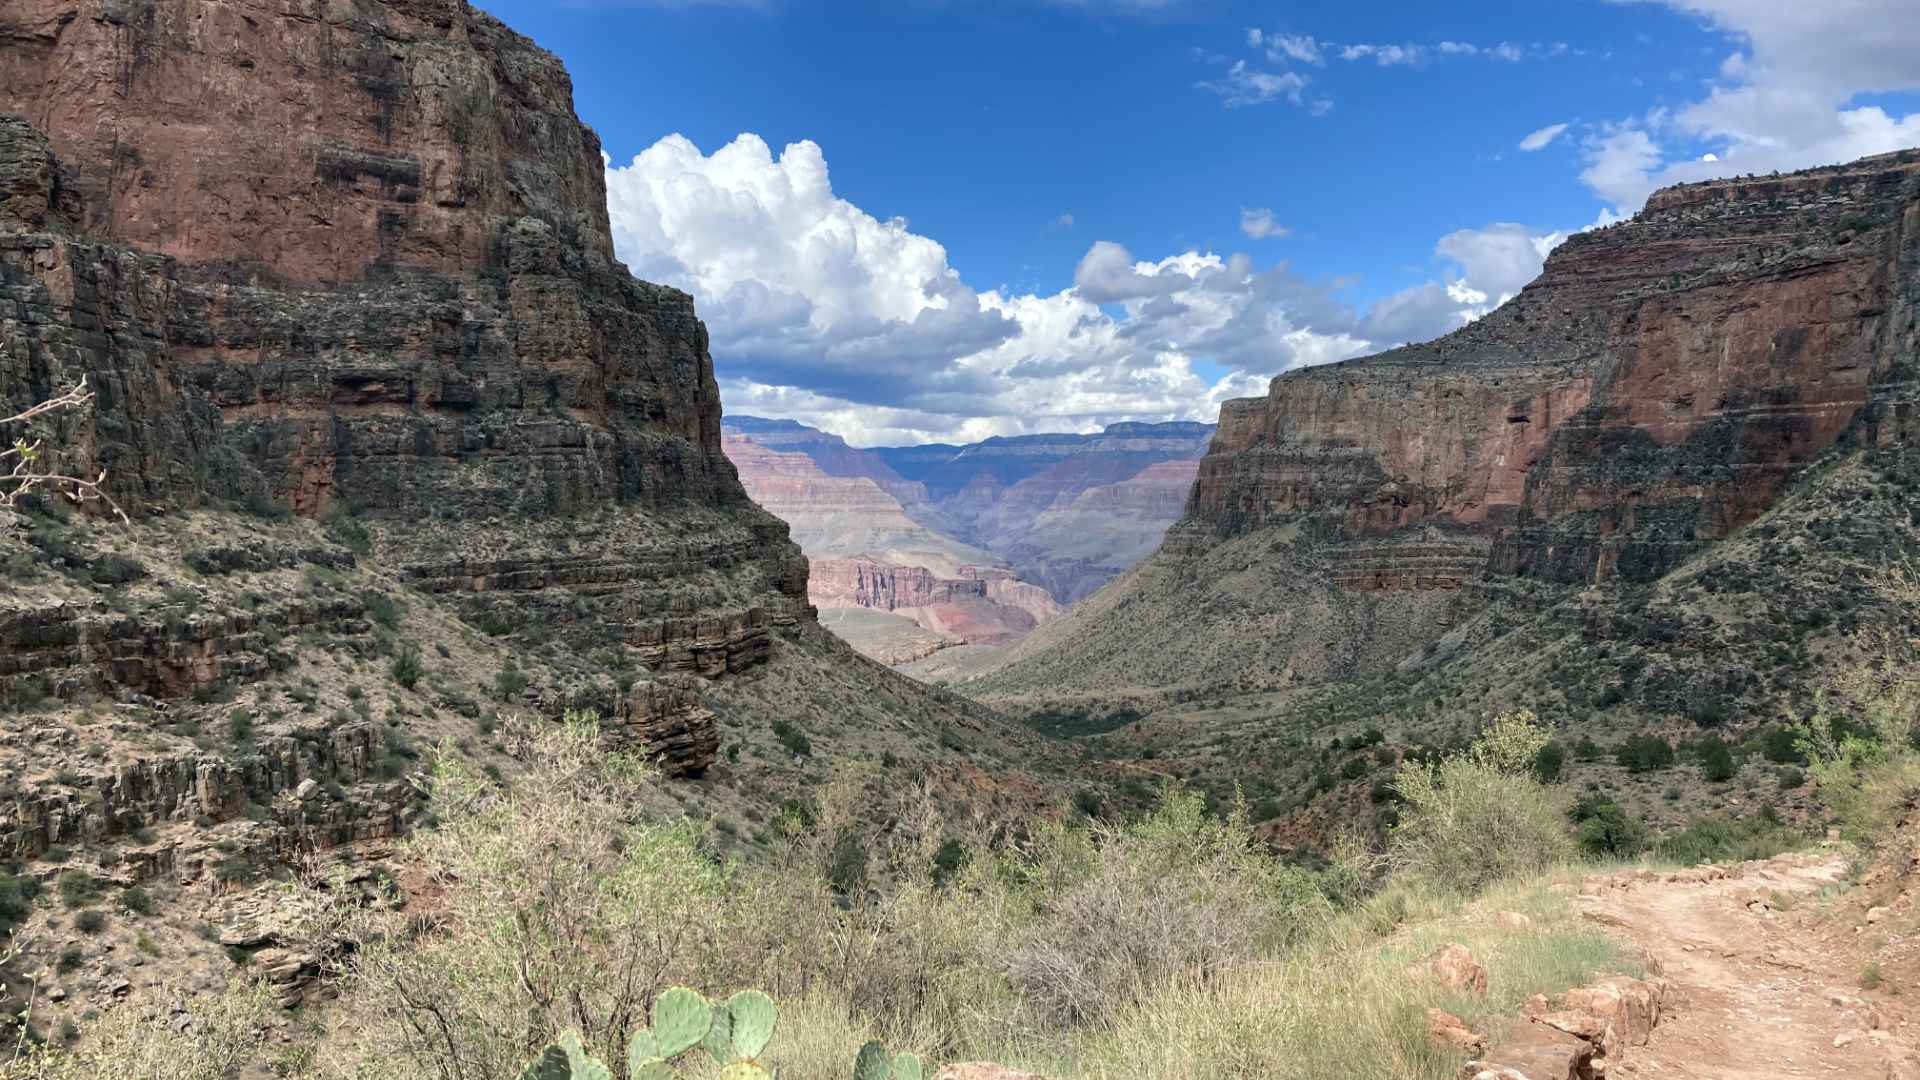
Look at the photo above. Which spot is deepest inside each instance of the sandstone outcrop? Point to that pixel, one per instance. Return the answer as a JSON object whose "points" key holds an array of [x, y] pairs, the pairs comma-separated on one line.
{"points": [[356, 260]]}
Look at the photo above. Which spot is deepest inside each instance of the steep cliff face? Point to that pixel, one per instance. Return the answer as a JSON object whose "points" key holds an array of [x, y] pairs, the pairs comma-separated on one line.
{"points": [[1651, 392], [1446, 521], [386, 413]]}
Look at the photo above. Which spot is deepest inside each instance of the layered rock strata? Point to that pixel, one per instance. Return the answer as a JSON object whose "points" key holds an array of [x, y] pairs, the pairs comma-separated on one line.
{"points": [[1653, 390], [356, 259]]}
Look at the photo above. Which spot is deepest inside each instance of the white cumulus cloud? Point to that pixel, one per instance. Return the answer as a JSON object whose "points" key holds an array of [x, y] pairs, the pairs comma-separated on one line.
{"points": [[1786, 97], [825, 313]]}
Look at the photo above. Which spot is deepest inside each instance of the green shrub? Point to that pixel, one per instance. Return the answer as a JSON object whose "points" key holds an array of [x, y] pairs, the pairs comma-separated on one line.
{"points": [[138, 900], [77, 888], [1780, 745], [1645, 753], [17, 893], [1716, 839], [1479, 816], [1548, 763], [793, 739], [1716, 760], [510, 682], [1790, 777], [90, 921], [406, 669], [1604, 830]]}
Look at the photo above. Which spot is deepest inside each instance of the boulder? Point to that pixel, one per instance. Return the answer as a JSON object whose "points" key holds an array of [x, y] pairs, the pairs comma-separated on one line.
{"points": [[1454, 966], [1448, 1030]]}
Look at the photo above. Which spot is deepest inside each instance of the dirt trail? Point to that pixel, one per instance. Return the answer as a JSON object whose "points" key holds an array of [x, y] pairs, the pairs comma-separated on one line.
{"points": [[1758, 989]]}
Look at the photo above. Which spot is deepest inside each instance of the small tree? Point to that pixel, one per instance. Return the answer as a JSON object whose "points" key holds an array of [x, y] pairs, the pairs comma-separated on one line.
{"points": [[26, 466], [1716, 760]]}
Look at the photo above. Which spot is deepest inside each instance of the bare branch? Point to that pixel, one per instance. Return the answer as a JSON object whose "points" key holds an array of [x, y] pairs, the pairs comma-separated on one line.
{"points": [[24, 476]]}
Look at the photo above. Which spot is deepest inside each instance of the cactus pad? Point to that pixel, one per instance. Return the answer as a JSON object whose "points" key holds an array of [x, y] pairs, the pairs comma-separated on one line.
{"points": [[681, 1018], [906, 1067], [550, 1065], [718, 1042], [641, 1049], [744, 1070], [873, 1063], [753, 1019], [650, 1069]]}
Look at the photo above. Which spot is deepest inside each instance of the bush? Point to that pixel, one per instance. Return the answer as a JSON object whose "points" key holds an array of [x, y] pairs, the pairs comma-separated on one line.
{"points": [[77, 888], [1480, 816], [1548, 762], [90, 921], [406, 669], [510, 683], [1604, 830], [1716, 760], [1790, 777], [793, 739], [138, 900], [1716, 839], [1645, 753], [1780, 745], [16, 901]]}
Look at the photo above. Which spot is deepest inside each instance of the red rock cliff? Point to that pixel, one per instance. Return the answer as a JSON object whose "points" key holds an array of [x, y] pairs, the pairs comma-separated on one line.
{"points": [[354, 254], [1651, 391]]}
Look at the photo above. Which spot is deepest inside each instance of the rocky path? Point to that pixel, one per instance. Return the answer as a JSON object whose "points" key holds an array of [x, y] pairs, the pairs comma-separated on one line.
{"points": [[1756, 990]]}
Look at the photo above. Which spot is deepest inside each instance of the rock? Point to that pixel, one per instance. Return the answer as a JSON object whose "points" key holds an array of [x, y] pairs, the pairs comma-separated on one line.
{"points": [[1450, 1031], [1875, 914], [1454, 966], [119, 987], [1631, 1007], [57, 994], [1846, 1038], [308, 789], [1538, 1052], [1513, 920]]}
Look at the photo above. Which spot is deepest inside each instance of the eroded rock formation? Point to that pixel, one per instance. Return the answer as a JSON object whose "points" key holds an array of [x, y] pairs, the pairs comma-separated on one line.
{"points": [[1653, 390]]}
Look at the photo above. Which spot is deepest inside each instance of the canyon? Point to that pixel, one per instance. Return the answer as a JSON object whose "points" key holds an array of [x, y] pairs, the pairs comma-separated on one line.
{"points": [[923, 549], [1658, 490]]}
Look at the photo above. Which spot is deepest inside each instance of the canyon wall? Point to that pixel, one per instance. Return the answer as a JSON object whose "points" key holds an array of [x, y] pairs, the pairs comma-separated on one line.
{"points": [[1652, 391], [347, 261], [1486, 520]]}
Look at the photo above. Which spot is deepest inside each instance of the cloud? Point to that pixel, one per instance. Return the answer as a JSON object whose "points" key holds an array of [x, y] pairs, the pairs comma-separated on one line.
{"points": [[1384, 55], [1064, 221], [1258, 223], [1244, 85], [1786, 98], [1540, 139], [820, 311]]}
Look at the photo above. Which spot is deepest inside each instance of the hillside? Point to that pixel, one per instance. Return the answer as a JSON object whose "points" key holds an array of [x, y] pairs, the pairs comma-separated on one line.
{"points": [[1649, 494]]}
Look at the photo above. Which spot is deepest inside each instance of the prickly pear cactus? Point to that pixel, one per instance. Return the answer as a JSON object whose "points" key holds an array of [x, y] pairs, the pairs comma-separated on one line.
{"points": [[906, 1066], [718, 1042], [552, 1064], [753, 1016], [745, 1070], [873, 1063], [579, 1064], [643, 1058], [681, 1018]]}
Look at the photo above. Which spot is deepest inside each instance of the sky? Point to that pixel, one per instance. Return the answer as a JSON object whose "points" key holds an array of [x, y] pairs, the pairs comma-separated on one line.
{"points": [[942, 220]]}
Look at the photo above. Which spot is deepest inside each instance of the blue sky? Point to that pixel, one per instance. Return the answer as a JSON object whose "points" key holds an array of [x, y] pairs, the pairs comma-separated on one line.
{"points": [[1075, 178]]}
